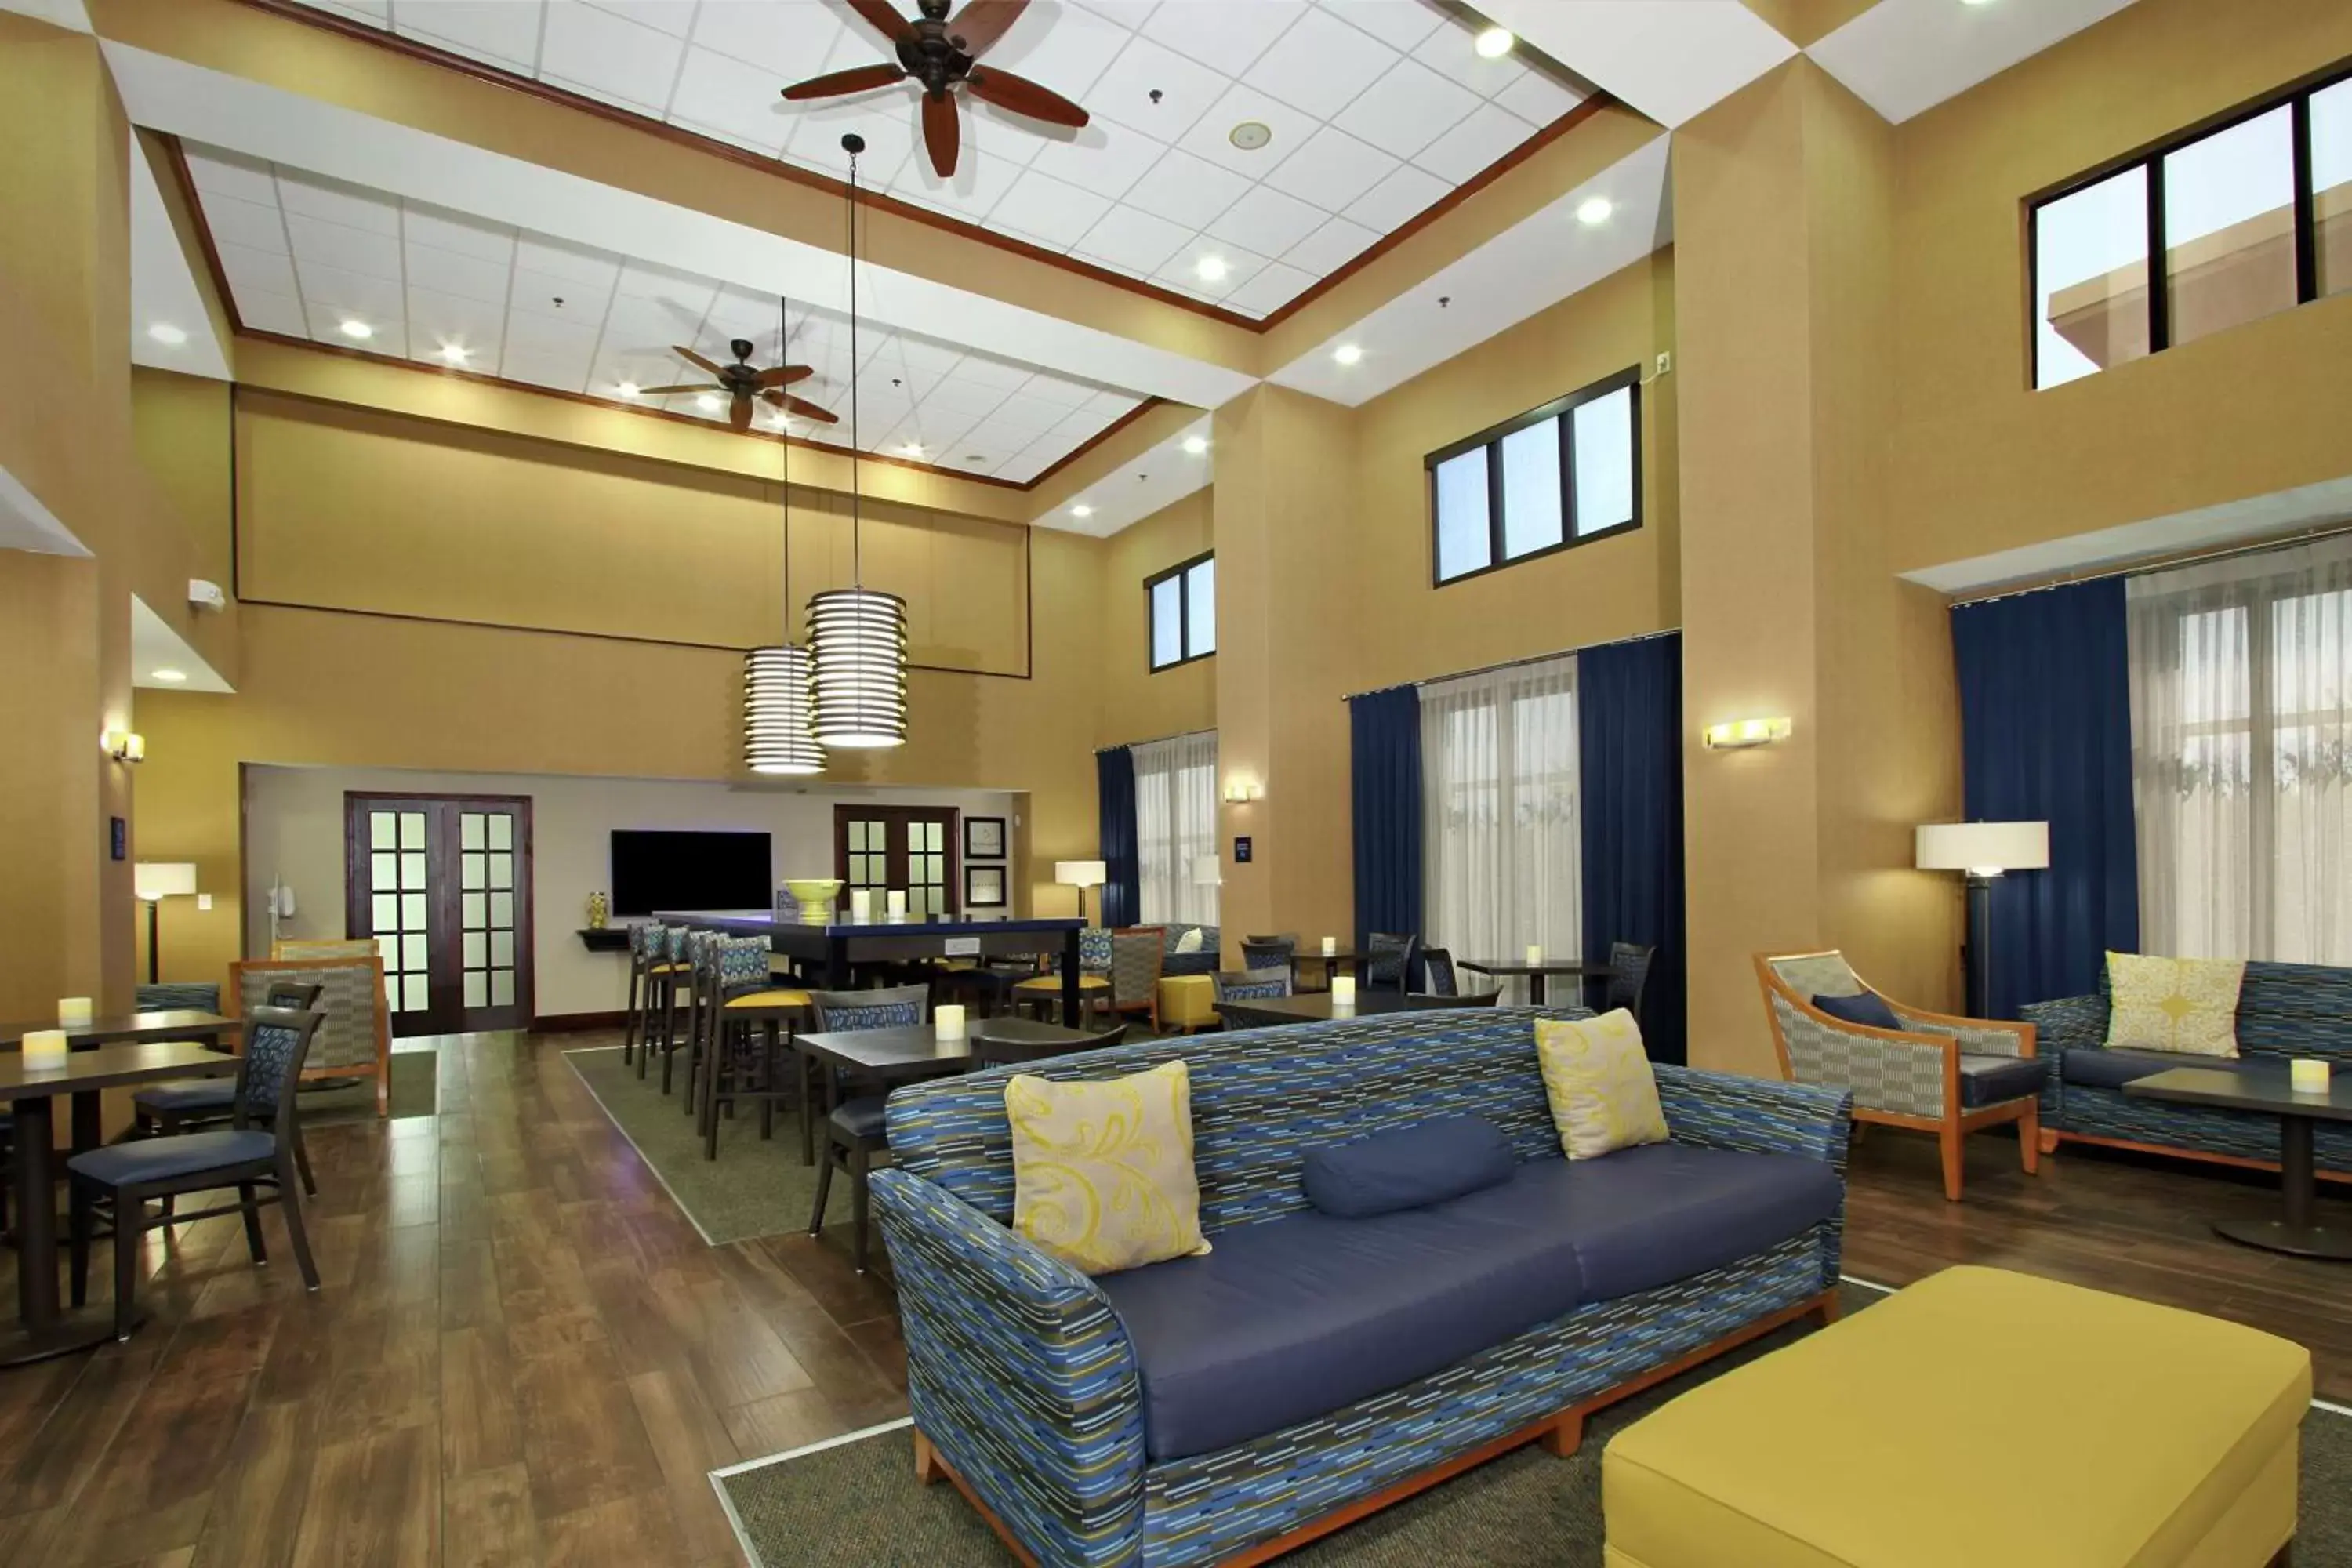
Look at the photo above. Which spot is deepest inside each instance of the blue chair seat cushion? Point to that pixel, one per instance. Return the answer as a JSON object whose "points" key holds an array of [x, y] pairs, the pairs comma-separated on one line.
{"points": [[862, 1117], [1991, 1080], [2094, 1066], [1408, 1167], [195, 1095], [182, 1155], [1289, 1318]]}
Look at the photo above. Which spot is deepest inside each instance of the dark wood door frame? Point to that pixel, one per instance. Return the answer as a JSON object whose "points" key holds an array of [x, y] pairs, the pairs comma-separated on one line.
{"points": [[896, 818], [446, 1011]]}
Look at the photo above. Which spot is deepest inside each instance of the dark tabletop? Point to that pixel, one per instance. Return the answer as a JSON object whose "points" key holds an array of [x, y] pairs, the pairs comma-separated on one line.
{"points": [[2248, 1086], [160, 1026], [1315, 1006], [756, 923], [1548, 966], [112, 1066], [886, 1053]]}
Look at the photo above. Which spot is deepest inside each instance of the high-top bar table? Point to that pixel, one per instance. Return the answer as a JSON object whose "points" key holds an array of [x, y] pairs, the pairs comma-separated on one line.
{"points": [[831, 950], [43, 1330]]}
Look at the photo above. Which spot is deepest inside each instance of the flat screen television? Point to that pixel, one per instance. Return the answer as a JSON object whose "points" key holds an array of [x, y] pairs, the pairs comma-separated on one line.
{"points": [[690, 871]]}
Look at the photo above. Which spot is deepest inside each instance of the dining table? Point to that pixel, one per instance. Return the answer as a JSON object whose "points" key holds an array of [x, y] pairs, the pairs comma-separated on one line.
{"points": [[1316, 1008], [905, 1056], [43, 1328], [1536, 973]]}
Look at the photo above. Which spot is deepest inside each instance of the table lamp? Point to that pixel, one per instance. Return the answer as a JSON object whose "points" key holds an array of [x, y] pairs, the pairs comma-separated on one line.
{"points": [[1984, 850], [156, 880], [1081, 875]]}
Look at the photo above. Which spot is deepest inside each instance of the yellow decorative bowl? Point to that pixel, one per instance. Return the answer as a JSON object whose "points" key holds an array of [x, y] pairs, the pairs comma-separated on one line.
{"points": [[816, 895]]}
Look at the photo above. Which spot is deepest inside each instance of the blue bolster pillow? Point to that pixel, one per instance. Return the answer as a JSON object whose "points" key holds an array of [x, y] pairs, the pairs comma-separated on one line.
{"points": [[1867, 1008], [1409, 1167]]}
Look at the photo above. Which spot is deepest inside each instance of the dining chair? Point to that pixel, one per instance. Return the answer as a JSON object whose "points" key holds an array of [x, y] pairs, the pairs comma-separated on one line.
{"points": [[191, 1105], [996, 1050], [1437, 966], [854, 1130], [1629, 978], [1268, 952], [748, 1026], [123, 1178], [1387, 960], [1253, 985], [645, 943], [1043, 989], [1138, 954]]}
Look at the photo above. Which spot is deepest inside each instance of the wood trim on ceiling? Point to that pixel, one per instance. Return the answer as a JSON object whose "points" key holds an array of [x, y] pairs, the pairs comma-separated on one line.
{"points": [[381, 39]]}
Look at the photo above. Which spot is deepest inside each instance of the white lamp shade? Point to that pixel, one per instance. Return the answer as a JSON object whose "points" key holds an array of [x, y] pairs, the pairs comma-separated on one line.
{"points": [[776, 712], [857, 668], [164, 879], [1982, 845], [1081, 873]]}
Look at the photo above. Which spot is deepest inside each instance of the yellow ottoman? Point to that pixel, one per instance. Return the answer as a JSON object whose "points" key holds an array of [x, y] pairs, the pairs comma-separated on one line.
{"points": [[1187, 1002], [1979, 1419]]}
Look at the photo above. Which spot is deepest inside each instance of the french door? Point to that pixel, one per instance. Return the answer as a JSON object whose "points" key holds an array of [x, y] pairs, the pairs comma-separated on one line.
{"points": [[443, 884], [909, 846]]}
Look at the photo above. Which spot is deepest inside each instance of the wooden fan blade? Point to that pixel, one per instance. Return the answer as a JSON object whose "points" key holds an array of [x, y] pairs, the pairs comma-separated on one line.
{"points": [[803, 407], [864, 79], [1021, 96], [785, 375], [739, 414], [666, 391], [696, 360], [883, 19], [943, 133], [981, 22]]}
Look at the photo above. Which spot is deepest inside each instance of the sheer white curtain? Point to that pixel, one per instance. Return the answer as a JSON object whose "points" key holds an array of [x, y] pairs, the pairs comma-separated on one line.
{"points": [[1502, 844], [2242, 755], [1176, 827]]}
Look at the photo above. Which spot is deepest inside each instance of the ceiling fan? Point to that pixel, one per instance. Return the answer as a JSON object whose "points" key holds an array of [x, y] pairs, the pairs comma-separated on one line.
{"points": [[742, 381], [940, 54]]}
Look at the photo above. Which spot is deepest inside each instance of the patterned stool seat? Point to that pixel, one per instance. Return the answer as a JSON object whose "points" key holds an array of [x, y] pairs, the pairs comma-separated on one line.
{"points": [[196, 1095], [152, 1158], [770, 998]]}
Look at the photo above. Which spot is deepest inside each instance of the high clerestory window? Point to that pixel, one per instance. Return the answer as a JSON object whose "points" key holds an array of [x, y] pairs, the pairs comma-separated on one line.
{"points": [[1555, 476], [1183, 612]]}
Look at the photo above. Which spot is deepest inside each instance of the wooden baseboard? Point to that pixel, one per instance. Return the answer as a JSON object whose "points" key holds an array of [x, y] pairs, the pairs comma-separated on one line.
{"points": [[1559, 1433], [576, 1023]]}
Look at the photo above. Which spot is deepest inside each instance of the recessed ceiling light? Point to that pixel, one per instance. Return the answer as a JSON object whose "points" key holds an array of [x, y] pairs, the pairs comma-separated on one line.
{"points": [[1209, 269], [1347, 353], [709, 403], [1250, 135], [1082, 509], [358, 329], [1594, 210], [1495, 43], [456, 353], [975, 457], [1976, 2], [627, 389], [169, 677], [1196, 444], [165, 333]]}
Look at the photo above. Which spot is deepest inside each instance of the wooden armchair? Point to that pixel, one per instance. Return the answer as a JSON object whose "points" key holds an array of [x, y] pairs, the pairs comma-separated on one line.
{"points": [[1930, 1072]]}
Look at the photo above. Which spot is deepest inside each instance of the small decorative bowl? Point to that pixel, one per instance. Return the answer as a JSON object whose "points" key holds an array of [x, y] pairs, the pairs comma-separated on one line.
{"points": [[816, 895]]}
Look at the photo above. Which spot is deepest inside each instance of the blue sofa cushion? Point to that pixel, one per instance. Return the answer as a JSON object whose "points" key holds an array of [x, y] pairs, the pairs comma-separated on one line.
{"points": [[1290, 1318], [1989, 1079], [1867, 1008], [1408, 1167], [155, 1158], [2097, 1067]]}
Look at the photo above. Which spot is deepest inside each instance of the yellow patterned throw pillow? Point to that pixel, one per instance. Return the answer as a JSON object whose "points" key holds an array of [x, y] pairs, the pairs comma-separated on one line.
{"points": [[1102, 1173], [1597, 1076], [2184, 1005]]}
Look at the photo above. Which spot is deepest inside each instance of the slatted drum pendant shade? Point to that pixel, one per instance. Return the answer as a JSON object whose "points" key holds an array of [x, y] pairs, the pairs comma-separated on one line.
{"points": [[857, 675], [776, 712]]}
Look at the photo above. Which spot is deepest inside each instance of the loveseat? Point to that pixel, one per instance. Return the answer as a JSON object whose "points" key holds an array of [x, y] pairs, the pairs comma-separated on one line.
{"points": [[1190, 1411], [1201, 961], [2285, 1010]]}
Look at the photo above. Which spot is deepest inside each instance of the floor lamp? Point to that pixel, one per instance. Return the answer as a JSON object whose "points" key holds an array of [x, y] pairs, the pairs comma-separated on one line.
{"points": [[1081, 875], [156, 880], [1984, 850]]}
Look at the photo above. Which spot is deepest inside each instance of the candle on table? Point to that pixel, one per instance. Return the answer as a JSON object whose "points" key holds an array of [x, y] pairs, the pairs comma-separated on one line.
{"points": [[45, 1050], [2308, 1075], [898, 903], [861, 906], [1535, 954], [1343, 991], [947, 1021], [1330, 945], [73, 1010]]}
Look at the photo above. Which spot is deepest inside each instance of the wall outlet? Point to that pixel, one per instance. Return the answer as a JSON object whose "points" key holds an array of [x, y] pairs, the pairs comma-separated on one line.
{"points": [[205, 903], [1666, 363]]}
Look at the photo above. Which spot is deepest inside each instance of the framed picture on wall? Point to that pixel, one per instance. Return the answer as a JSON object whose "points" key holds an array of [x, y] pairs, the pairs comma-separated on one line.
{"points": [[983, 887], [983, 838]]}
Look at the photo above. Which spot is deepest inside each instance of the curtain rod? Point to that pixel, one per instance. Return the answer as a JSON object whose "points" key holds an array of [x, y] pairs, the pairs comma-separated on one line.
{"points": [[1153, 741], [2166, 563], [1514, 663]]}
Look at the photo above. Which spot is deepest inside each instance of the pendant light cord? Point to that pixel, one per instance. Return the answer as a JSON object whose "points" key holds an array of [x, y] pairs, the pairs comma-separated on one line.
{"points": [[857, 541], [784, 430]]}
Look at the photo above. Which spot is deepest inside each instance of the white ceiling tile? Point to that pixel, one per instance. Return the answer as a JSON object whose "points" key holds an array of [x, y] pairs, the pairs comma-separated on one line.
{"points": [[1124, 92], [1111, 405], [1407, 110], [792, 38], [671, 16], [1187, 190], [1330, 247], [1129, 13], [609, 54], [1227, 36], [337, 203], [1035, 458], [1133, 240], [476, 319], [1061, 48], [1320, 64], [1043, 208], [988, 372], [546, 335], [1452, 52], [455, 231], [1401, 25], [569, 263], [354, 293], [501, 30], [981, 179], [536, 293], [1104, 158], [250, 223], [954, 396], [260, 271], [1396, 200], [271, 310], [351, 250], [1483, 137], [716, 92], [1332, 169], [1539, 97], [1267, 222], [563, 373], [217, 173], [1059, 391], [1182, 271], [1213, 137], [642, 281], [445, 271], [884, 120], [1272, 287], [648, 327], [389, 328]]}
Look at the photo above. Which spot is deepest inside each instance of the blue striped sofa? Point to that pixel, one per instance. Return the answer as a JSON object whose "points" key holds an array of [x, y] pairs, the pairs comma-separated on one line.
{"points": [[2285, 1010], [1030, 1389]]}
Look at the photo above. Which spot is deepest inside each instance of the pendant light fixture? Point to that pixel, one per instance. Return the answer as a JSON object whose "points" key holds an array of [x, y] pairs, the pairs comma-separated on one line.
{"points": [[776, 737], [857, 636]]}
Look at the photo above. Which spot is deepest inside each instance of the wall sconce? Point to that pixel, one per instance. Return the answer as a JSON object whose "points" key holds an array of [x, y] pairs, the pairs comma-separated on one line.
{"points": [[1741, 734], [124, 746], [1240, 793]]}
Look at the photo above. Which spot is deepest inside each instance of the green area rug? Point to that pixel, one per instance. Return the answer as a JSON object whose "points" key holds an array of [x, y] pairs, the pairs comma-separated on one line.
{"points": [[858, 1501], [416, 1091], [755, 1187]]}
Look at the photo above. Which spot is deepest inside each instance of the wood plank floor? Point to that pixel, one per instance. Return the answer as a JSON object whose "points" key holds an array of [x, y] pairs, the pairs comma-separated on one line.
{"points": [[523, 1353]]}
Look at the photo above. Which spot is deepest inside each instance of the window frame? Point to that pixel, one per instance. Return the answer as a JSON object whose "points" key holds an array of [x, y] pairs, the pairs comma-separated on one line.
{"points": [[1562, 408], [2148, 160], [1182, 573]]}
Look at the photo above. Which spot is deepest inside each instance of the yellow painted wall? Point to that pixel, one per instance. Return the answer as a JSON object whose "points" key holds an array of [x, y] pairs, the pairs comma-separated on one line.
{"points": [[181, 423], [1139, 704]]}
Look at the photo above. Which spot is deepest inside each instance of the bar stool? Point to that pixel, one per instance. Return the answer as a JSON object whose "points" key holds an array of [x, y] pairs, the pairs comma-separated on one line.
{"points": [[749, 1021], [644, 940], [669, 978]]}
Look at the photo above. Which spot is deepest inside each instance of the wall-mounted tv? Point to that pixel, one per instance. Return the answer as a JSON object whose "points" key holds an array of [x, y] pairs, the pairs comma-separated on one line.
{"points": [[690, 871]]}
